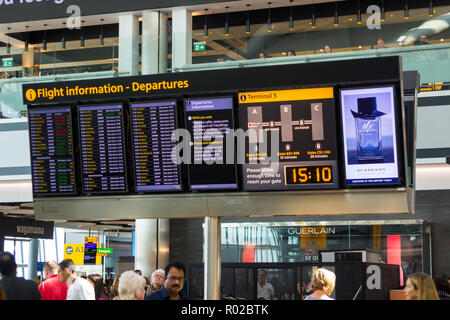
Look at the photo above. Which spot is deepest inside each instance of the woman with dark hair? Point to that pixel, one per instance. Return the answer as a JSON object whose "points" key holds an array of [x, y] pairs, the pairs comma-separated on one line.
{"points": [[97, 281], [443, 288]]}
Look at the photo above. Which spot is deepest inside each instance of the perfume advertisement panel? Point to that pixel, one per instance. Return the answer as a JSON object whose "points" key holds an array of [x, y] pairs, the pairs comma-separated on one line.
{"points": [[370, 146]]}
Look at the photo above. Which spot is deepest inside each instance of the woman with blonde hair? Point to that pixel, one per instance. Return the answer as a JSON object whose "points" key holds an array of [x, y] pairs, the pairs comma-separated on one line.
{"points": [[323, 283], [420, 286]]}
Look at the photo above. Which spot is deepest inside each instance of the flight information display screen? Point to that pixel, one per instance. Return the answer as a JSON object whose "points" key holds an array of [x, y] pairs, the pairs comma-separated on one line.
{"points": [[102, 144], [291, 139], [90, 253], [152, 126], [208, 121], [51, 144]]}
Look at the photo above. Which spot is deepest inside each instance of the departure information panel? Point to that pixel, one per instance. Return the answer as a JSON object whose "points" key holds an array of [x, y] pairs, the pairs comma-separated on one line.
{"points": [[51, 142], [209, 120], [102, 149], [152, 126], [305, 154]]}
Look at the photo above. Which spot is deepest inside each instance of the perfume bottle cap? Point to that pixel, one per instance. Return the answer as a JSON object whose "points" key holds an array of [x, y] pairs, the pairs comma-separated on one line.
{"points": [[367, 107]]}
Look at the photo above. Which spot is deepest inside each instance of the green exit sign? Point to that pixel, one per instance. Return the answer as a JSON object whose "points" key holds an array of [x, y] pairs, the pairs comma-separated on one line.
{"points": [[199, 46], [105, 250], [7, 62]]}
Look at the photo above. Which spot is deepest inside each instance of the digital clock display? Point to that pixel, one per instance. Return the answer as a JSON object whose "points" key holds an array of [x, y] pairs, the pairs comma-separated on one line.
{"points": [[308, 175]]}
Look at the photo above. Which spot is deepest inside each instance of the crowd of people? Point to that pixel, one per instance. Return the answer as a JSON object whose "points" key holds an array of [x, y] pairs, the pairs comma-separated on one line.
{"points": [[63, 282]]}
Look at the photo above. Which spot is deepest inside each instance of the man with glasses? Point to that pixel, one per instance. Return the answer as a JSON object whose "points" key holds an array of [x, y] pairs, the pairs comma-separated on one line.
{"points": [[173, 284]]}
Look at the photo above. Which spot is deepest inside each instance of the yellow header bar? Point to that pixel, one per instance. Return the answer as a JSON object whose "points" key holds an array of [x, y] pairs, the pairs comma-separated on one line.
{"points": [[286, 95]]}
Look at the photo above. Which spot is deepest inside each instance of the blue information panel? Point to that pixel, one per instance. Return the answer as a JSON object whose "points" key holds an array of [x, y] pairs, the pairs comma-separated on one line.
{"points": [[152, 126], [208, 121], [369, 131]]}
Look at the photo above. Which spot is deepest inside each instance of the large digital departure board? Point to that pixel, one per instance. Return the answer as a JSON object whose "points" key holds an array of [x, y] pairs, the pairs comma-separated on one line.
{"points": [[305, 154], [102, 142], [209, 120], [152, 126], [51, 144]]}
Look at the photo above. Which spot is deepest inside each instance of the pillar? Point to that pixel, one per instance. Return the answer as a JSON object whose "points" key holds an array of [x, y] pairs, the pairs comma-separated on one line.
{"points": [[32, 258], [154, 42], [212, 258], [2, 243], [129, 44], [152, 245], [181, 37]]}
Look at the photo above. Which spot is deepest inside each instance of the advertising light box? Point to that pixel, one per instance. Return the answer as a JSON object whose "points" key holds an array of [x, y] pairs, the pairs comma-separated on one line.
{"points": [[369, 134], [305, 156]]}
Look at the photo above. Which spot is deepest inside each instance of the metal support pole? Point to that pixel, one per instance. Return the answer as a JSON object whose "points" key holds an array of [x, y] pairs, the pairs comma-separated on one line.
{"points": [[32, 258], [212, 258]]}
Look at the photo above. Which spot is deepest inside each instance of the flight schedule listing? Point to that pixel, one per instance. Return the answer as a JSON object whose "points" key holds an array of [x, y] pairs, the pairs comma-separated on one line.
{"points": [[51, 151], [306, 155], [102, 149], [152, 125], [208, 121]]}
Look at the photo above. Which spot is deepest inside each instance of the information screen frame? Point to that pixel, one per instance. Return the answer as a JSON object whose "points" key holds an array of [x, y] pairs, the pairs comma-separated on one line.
{"points": [[316, 94], [180, 178], [54, 194], [124, 149], [233, 106], [397, 140]]}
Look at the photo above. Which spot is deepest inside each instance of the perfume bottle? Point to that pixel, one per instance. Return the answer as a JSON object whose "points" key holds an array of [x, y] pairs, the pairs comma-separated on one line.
{"points": [[368, 130]]}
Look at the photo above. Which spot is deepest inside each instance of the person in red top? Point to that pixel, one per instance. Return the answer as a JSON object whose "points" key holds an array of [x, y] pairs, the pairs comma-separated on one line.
{"points": [[52, 288]]}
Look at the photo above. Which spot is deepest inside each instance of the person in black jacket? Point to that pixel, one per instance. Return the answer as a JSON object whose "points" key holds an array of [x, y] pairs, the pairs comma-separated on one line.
{"points": [[16, 288]]}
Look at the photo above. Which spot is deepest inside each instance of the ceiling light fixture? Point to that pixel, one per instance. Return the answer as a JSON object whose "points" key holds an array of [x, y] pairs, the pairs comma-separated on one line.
{"points": [[291, 17], [205, 26], [358, 14], [102, 37], [26, 39], [406, 17], [44, 43], [336, 15], [8, 45], [227, 28], [63, 39], [247, 21], [313, 18], [269, 22]]}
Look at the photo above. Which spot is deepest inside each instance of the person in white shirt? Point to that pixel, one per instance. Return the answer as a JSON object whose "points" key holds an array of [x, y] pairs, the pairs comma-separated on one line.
{"points": [[265, 289], [79, 288]]}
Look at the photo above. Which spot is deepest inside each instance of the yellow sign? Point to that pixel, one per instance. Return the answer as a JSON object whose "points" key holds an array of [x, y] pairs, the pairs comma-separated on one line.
{"points": [[90, 239], [313, 238], [286, 95], [75, 251], [30, 95]]}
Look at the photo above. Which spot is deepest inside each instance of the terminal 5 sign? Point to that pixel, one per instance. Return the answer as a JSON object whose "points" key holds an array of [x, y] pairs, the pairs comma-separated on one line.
{"points": [[31, 10]]}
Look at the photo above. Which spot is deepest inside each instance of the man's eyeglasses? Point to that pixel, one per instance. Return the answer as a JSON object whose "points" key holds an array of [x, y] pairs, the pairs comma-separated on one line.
{"points": [[173, 278]]}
